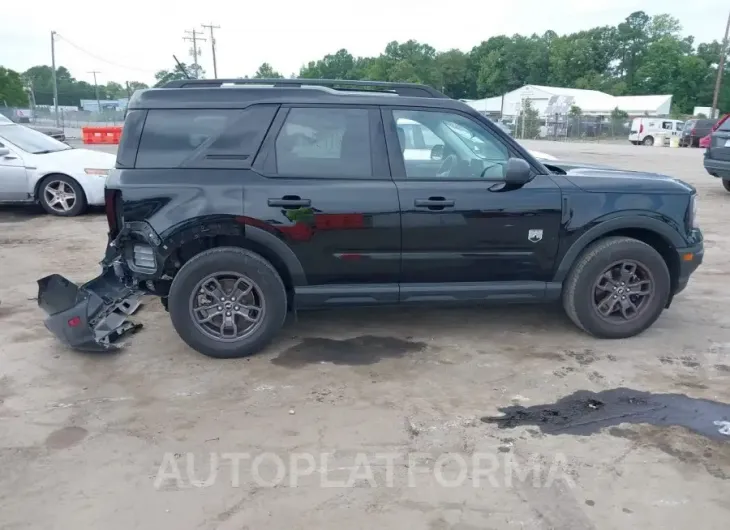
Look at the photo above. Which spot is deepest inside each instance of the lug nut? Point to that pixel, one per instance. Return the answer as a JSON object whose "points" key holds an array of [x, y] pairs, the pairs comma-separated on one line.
{"points": [[228, 313], [220, 308]]}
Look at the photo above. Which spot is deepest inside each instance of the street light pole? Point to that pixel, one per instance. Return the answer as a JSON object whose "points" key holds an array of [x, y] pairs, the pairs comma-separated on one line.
{"points": [[55, 80], [720, 69]]}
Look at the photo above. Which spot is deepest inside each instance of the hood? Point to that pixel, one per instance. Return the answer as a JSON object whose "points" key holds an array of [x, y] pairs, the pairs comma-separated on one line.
{"points": [[73, 160], [47, 130], [541, 156], [597, 178]]}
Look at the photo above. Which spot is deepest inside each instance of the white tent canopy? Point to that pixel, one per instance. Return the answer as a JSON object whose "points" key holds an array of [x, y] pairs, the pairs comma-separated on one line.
{"points": [[551, 100]]}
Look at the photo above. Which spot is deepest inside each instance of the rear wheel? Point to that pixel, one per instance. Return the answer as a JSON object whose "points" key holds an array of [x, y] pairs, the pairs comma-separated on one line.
{"points": [[61, 195], [648, 141], [227, 302], [726, 184], [617, 289]]}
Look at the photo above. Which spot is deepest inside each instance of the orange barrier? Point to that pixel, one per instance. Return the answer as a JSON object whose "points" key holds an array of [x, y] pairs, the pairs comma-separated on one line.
{"points": [[101, 135]]}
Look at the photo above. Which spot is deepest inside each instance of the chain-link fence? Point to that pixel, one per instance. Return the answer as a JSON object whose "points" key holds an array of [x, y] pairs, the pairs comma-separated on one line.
{"points": [[568, 128], [75, 119]]}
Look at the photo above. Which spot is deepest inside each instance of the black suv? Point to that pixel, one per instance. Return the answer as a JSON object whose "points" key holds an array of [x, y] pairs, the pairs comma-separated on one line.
{"points": [[236, 201], [717, 154], [694, 130]]}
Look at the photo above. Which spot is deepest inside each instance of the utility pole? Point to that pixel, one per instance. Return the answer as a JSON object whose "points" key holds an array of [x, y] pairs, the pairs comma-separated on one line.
{"points": [[55, 80], [96, 89], [194, 36], [720, 68], [211, 27]]}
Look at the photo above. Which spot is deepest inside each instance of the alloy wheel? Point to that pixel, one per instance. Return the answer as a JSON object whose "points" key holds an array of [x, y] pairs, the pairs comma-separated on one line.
{"points": [[623, 291], [227, 306], [60, 196]]}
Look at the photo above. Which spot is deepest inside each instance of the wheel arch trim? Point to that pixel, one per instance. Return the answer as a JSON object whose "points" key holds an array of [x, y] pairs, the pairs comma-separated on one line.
{"points": [[175, 237], [606, 227]]}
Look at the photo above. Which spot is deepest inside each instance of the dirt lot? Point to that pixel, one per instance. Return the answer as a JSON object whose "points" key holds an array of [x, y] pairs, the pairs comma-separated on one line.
{"points": [[96, 441]]}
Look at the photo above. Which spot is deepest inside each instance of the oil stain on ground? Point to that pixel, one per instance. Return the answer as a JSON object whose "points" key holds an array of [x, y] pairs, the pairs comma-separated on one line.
{"points": [[65, 437], [585, 413], [363, 350]]}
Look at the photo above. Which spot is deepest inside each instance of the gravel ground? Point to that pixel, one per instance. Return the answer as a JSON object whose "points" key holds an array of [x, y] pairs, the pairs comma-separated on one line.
{"points": [[362, 418]]}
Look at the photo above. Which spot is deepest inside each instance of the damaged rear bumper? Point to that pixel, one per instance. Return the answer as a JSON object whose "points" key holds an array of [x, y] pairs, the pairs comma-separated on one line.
{"points": [[90, 317]]}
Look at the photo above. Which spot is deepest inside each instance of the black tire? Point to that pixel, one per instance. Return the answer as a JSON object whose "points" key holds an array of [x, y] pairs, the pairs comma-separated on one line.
{"points": [[77, 208], [236, 260], [726, 184], [648, 141], [578, 291]]}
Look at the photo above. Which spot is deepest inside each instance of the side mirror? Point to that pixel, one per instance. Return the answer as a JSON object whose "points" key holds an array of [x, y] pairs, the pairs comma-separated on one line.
{"points": [[4, 151], [518, 172], [437, 152]]}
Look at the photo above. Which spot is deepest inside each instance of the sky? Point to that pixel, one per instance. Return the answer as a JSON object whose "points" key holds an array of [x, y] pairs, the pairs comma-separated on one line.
{"points": [[132, 39]]}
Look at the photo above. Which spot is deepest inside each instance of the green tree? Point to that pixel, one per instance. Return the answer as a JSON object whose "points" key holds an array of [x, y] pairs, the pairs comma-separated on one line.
{"points": [[12, 92], [266, 71], [575, 111], [114, 90]]}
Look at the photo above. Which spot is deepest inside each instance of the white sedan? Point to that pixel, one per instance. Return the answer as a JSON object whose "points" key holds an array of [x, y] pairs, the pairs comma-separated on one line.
{"points": [[35, 168]]}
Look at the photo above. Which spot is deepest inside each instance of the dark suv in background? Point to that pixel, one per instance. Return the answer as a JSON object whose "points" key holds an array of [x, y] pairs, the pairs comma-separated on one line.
{"points": [[693, 130], [717, 154], [236, 201]]}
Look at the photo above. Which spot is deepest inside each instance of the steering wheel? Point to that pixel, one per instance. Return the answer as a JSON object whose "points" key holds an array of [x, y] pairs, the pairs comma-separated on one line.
{"points": [[447, 166]]}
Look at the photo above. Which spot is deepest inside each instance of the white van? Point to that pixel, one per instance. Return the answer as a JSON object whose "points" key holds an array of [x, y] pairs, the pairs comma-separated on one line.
{"points": [[644, 130]]}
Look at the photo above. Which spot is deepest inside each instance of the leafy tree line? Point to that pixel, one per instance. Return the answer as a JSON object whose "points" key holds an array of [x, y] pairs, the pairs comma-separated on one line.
{"points": [[641, 55], [15, 87]]}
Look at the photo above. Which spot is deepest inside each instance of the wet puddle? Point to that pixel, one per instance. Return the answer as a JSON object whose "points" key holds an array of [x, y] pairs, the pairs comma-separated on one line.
{"points": [[585, 413], [363, 350]]}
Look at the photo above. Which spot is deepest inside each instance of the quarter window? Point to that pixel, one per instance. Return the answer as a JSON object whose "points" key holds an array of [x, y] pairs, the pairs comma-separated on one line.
{"points": [[203, 138]]}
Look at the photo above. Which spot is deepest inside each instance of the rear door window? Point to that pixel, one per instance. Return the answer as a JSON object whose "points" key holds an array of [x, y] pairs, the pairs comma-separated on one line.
{"points": [[325, 143], [203, 138], [724, 126]]}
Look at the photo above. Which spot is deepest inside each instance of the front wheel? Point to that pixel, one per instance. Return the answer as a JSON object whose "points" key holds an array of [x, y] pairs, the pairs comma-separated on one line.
{"points": [[648, 141], [617, 288], [61, 195], [227, 302]]}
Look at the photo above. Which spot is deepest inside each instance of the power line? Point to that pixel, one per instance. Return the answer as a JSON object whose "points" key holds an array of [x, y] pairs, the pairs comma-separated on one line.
{"points": [[194, 36], [211, 27], [90, 54], [96, 90]]}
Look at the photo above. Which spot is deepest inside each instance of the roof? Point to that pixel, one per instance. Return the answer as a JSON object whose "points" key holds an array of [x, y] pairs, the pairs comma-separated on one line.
{"points": [[243, 96]]}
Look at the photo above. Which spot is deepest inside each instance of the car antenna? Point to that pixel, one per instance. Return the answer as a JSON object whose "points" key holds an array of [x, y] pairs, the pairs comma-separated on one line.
{"points": [[181, 67]]}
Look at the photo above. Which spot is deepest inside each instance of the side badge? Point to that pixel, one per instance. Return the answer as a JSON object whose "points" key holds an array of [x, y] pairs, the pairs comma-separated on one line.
{"points": [[534, 235]]}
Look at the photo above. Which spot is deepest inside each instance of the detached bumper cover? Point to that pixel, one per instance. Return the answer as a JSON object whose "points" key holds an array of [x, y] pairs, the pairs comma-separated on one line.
{"points": [[91, 317]]}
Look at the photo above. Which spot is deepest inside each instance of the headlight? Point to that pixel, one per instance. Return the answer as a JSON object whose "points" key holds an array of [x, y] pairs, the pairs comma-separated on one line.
{"points": [[93, 171], [693, 212]]}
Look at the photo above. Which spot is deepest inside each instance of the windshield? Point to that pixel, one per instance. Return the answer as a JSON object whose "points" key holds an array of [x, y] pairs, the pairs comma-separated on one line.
{"points": [[31, 141]]}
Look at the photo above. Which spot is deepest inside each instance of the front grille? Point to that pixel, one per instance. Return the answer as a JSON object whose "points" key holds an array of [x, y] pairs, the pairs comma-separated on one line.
{"points": [[143, 257]]}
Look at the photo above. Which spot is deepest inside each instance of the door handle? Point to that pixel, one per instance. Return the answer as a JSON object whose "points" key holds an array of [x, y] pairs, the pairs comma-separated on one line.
{"points": [[434, 203], [290, 201], [10, 157]]}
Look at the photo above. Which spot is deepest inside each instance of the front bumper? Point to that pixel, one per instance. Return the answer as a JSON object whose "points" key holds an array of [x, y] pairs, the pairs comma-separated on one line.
{"points": [[689, 259], [91, 317]]}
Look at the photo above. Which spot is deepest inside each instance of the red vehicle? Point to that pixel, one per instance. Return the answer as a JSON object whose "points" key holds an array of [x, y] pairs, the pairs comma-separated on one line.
{"points": [[705, 140]]}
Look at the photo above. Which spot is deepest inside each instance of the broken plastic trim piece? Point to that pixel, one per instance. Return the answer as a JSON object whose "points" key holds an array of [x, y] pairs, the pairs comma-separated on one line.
{"points": [[92, 317]]}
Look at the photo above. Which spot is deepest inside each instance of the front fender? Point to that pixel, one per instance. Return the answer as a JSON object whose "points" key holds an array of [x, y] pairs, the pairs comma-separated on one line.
{"points": [[644, 222]]}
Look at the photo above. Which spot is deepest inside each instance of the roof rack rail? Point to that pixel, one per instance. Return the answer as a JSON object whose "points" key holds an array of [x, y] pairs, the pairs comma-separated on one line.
{"points": [[401, 89]]}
